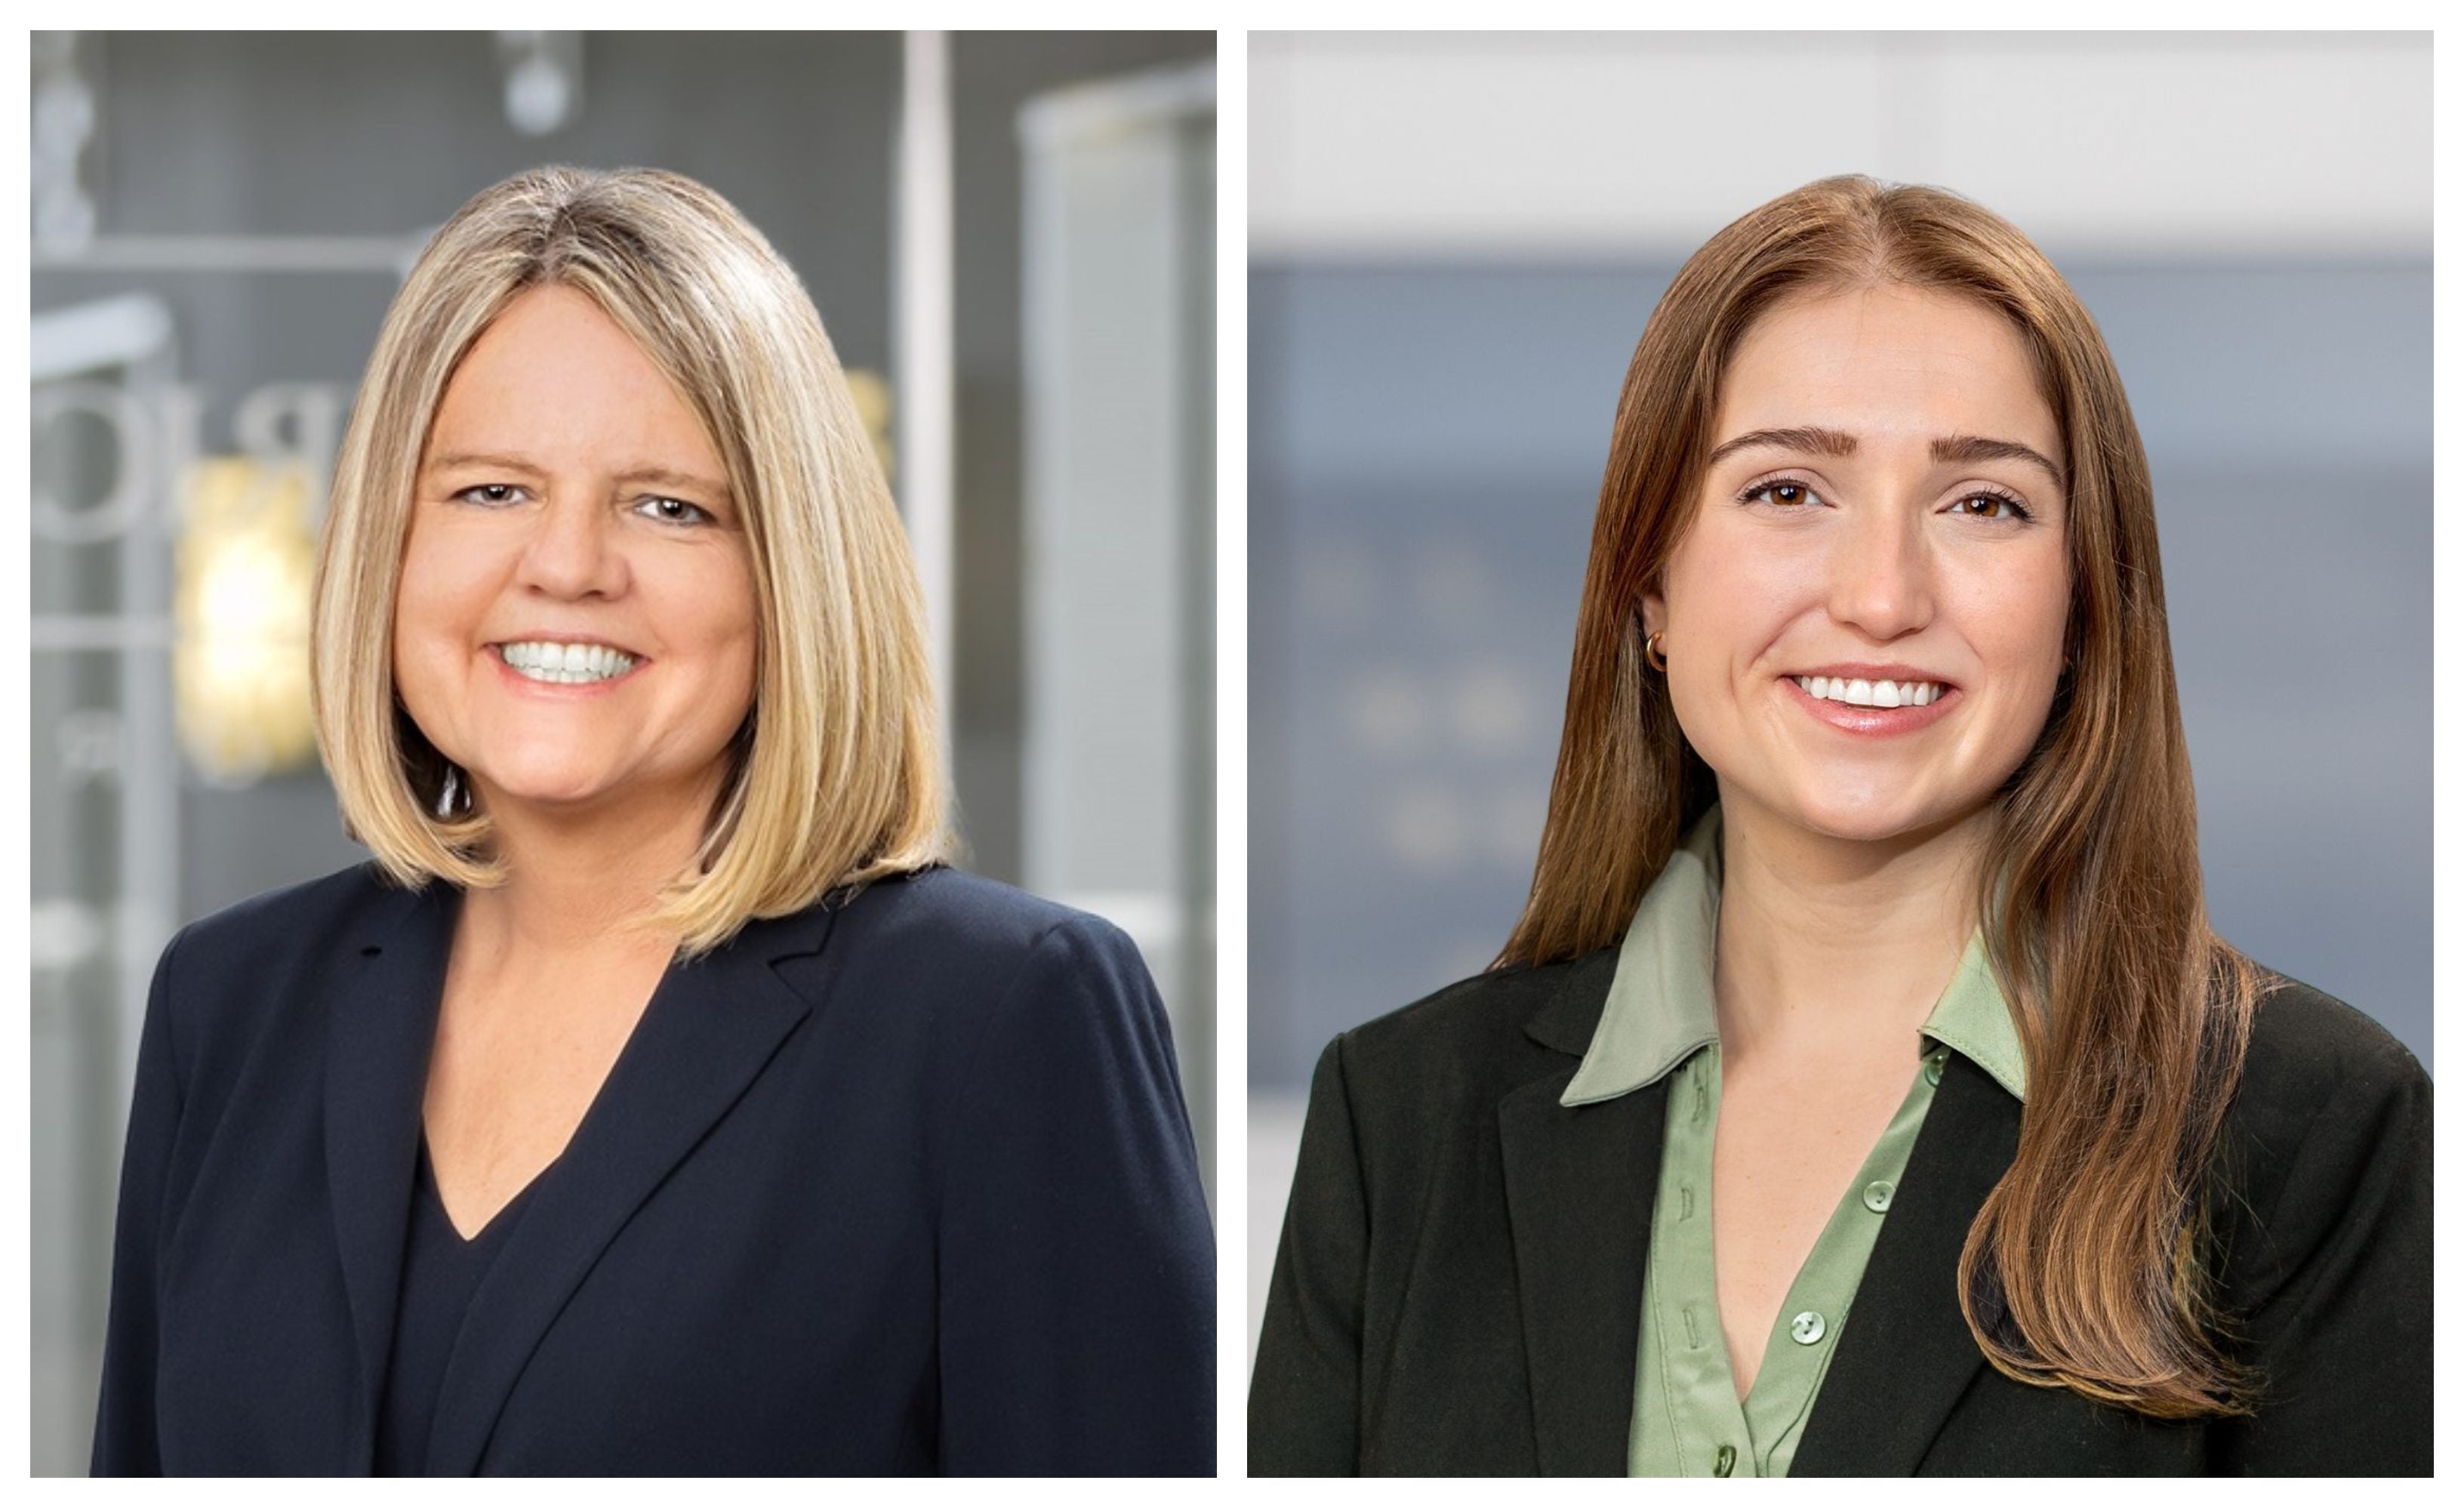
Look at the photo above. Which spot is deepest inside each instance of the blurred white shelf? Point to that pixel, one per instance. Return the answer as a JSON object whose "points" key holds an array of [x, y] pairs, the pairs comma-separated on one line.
{"points": [[389, 255]]}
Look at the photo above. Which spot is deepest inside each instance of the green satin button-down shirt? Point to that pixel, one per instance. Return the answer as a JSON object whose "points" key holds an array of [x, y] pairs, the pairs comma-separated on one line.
{"points": [[1661, 1021]]}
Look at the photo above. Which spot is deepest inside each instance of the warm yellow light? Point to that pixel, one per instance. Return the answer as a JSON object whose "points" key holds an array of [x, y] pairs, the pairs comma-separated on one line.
{"points": [[239, 667], [872, 404]]}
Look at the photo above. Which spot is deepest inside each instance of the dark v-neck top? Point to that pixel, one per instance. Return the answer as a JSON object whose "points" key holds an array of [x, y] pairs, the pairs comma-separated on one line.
{"points": [[440, 1274]]}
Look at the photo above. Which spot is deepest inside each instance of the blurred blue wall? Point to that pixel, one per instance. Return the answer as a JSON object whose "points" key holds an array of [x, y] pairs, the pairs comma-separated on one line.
{"points": [[1425, 453]]}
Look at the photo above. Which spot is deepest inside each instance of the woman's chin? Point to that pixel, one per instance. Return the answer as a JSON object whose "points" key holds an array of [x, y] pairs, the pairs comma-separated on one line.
{"points": [[549, 790], [1891, 818]]}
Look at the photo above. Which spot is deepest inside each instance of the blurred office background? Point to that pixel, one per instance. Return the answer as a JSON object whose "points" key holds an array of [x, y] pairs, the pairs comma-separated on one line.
{"points": [[1011, 240], [1455, 242]]}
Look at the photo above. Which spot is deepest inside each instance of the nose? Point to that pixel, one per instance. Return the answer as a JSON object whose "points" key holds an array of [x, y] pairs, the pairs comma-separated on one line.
{"points": [[572, 552], [1881, 574]]}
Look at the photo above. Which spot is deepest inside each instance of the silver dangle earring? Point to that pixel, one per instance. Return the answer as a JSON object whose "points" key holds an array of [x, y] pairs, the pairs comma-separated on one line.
{"points": [[453, 788]]}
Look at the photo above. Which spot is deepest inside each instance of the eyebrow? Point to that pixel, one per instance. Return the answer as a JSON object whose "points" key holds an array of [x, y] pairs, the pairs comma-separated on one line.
{"points": [[1814, 440], [656, 475]]}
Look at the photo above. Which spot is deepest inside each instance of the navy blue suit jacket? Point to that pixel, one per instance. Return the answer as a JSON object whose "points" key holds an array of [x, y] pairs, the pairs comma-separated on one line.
{"points": [[900, 1185]]}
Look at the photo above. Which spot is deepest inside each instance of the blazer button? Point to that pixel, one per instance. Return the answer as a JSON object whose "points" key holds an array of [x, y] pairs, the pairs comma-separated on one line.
{"points": [[1878, 1195], [1725, 1462], [1806, 1328]]}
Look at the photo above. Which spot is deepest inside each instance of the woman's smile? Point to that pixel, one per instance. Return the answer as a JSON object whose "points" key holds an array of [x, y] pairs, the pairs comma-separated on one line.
{"points": [[567, 665], [1875, 708]]}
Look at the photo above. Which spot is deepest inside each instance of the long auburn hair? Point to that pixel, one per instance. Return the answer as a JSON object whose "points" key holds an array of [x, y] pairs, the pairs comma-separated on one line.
{"points": [[2086, 1268]]}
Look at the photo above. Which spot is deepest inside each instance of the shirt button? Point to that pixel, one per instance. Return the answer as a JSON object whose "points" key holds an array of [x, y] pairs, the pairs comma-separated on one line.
{"points": [[1878, 1195], [1725, 1462], [1933, 1067], [1806, 1328]]}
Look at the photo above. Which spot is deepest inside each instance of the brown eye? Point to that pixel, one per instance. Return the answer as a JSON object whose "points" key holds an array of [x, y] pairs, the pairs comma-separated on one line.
{"points": [[1990, 505], [1782, 494]]}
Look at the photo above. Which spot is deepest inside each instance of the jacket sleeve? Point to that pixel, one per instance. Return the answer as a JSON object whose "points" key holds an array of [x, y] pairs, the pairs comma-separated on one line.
{"points": [[1305, 1394], [126, 1443], [2340, 1337], [1077, 1262]]}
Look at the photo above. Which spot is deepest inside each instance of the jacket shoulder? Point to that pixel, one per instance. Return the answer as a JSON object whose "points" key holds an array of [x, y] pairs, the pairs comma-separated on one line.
{"points": [[2328, 1131], [244, 974], [268, 938], [1477, 1038], [956, 952], [952, 914], [2309, 1050], [346, 901]]}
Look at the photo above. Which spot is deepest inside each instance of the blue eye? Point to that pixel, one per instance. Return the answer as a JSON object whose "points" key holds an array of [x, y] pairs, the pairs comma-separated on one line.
{"points": [[489, 494], [672, 510]]}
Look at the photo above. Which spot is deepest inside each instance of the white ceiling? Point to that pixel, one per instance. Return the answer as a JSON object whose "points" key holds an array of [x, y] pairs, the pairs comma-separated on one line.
{"points": [[1478, 145]]}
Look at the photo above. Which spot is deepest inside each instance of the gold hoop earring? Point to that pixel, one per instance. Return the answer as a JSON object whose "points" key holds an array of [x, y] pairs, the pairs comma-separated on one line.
{"points": [[1651, 653]]}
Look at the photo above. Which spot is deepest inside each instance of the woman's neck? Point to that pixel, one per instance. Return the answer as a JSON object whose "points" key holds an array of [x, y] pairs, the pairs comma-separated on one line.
{"points": [[1836, 946], [578, 885]]}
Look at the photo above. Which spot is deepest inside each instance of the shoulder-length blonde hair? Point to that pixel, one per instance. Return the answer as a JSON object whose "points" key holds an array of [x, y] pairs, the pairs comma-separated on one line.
{"points": [[2084, 1268], [837, 775]]}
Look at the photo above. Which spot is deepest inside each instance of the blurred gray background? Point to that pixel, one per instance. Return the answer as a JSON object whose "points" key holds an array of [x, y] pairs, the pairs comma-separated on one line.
{"points": [[1455, 242], [219, 223]]}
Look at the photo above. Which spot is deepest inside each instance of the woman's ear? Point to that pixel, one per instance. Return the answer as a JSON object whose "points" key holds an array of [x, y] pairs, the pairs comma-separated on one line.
{"points": [[1654, 614]]}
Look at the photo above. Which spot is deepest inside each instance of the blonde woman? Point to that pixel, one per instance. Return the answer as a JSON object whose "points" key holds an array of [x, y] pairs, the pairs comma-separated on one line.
{"points": [[1864, 1090], [654, 1100]]}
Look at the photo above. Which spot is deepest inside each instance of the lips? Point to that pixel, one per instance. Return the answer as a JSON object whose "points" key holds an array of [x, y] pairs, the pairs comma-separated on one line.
{"points": [[1842, 705], [565, 663], [1861, 692]]}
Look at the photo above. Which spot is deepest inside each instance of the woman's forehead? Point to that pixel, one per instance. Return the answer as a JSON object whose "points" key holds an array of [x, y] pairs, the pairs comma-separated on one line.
{"points": [[1884, 362], [553, 377]]}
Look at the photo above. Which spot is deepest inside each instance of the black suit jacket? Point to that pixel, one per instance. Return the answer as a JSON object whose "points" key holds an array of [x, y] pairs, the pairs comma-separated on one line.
{"points": [[903, 1184], [1460, 1286]]}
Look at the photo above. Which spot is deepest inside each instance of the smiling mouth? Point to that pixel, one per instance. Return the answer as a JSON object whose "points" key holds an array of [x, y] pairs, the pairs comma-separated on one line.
{"points": [[565, 664], [1870, 693]]}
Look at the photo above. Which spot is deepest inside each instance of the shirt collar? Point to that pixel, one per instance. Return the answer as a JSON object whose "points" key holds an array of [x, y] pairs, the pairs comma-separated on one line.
{"points": [[1661, 1009]]}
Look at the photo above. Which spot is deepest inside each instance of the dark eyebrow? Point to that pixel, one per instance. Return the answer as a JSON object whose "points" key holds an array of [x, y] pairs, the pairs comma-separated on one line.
{"points": [[1817, 441], [1812, 441], [656, 475], [1979, 448]]}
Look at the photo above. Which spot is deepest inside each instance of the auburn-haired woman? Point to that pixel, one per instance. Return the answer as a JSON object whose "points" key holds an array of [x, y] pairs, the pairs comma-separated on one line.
{"points": [[654, 1102], [1862, 1089]]}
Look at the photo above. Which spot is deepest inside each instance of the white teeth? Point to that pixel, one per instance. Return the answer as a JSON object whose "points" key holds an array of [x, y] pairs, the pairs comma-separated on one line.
{"points": [[1870, 693], [565, 664]]}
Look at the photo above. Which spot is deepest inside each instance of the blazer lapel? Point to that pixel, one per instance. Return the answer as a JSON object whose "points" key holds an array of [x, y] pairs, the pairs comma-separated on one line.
{"points": [[379, 1031], [1906, 1355], [709, 1030], [1579, 1185]]}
